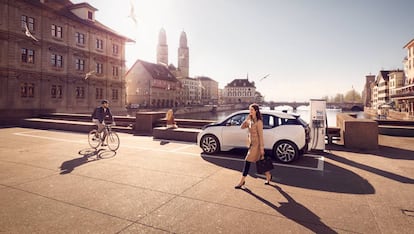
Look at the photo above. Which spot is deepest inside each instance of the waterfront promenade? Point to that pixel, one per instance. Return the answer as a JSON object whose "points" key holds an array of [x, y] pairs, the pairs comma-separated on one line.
{"points": [[52, 182]]}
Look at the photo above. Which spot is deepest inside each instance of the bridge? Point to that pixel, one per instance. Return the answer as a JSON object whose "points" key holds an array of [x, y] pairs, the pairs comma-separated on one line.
{"points": [[347, 106]]}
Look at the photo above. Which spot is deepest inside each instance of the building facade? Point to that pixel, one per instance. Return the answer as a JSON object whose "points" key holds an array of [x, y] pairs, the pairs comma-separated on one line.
{"points": [[239, 91], [396, 81], [151, 85], [404, 95], [191, 91], [55, 56], [367, 92], [208, 89], [383, 95]]}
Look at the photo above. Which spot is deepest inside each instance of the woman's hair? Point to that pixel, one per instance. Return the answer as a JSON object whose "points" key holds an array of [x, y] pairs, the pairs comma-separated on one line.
{"points": [[169, 114], [257, 109]]}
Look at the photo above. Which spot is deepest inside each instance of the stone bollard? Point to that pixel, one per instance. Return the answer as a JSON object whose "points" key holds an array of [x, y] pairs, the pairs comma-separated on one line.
{"points": [[357, 133], [144, 122]]}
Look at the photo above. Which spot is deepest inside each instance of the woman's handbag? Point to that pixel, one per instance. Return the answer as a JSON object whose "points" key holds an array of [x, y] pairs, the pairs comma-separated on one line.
{"points": [[264, 165]]}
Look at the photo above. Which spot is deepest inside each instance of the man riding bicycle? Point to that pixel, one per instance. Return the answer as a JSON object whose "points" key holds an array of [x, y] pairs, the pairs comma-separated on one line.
{"points": [[98, 117]]}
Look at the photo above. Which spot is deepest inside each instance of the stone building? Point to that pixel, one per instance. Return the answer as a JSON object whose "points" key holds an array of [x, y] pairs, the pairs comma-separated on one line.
{"points": [[382, 90], [208, 89], [239, 91], [384, 86], [55, 56], [396, 81], [183, 59], [367, 92], [404, 95], [151, 85]]}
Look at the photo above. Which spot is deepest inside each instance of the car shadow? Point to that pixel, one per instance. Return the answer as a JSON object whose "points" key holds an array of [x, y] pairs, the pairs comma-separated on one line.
{"points": [[295, 212], [87, 156], [331, 179]]}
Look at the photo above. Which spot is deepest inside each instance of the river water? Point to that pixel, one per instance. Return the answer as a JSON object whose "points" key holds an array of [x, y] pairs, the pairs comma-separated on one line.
{"points": [[303, 112]]}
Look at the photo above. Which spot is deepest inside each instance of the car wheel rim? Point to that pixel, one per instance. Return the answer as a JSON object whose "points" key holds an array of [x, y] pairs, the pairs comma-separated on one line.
{"points": [[209, 145], [285, 152]]}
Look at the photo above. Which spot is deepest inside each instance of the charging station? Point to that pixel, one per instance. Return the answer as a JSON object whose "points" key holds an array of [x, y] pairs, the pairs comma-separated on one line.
{"points": [[317, 124]]}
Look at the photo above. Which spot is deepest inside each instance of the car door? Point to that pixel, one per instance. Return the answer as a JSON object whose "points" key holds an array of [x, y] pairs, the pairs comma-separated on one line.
{"points": [[270, 122], [232, 134]]}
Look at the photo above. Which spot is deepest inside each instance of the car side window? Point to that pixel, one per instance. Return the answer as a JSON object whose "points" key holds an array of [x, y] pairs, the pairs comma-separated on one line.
{"points": [[289, 122], [269, 121], [236, 120]]}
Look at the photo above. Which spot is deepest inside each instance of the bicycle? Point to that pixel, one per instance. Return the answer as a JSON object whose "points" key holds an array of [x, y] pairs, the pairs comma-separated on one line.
{"points": [[112, 140]]}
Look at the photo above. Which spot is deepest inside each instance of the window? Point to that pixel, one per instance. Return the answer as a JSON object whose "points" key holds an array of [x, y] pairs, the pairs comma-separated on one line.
{"points": [[29, 21], [99, 68], [28, 55], [114, 94], [289, 122], [269, 121], [80, 38], [99, 44], [56, 31], [80, 64], [90, 15], [115, 49], [53, 91], [99, 93], [80, 92], [115, 71], [56, 91], [56, 60], [27, 90]]}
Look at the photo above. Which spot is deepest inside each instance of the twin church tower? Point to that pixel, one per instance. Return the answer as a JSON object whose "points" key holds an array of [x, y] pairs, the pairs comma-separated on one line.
{"points": [[182, 70]]}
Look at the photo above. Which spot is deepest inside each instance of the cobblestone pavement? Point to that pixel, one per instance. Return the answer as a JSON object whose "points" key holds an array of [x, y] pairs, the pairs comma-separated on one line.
{"points": [[53, 182]]}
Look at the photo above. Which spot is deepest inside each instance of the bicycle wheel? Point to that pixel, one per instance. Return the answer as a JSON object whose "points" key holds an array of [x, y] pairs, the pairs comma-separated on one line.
{"points": [[112, 140], [94, 142]]}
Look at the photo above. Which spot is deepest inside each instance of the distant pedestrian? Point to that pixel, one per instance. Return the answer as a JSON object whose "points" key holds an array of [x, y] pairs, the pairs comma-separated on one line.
{"points": [[169, 117], [256, 152]]}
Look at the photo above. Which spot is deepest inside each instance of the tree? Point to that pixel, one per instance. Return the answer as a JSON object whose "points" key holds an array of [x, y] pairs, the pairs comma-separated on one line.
{"points": [[353, 96], [339, 97]]}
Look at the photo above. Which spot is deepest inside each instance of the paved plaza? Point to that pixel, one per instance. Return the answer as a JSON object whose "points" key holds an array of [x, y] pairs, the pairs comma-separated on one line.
{"points": [[53, 182]]}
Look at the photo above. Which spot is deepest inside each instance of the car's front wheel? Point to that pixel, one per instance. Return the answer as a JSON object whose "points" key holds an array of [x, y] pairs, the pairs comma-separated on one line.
{"points": [[285, 151], [210, 144]]}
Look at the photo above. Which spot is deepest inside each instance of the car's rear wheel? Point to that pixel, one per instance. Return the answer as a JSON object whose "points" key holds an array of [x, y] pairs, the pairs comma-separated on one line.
{"points": [[285, 151], [210, 144]]}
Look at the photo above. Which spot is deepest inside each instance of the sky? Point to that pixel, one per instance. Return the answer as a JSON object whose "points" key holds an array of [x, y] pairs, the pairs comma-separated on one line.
{"points": [[310, 48]]}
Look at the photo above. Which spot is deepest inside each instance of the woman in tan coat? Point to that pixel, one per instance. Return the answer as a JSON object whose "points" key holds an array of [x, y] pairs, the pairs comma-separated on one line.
{"points": [[256, 150], [169, 117]]}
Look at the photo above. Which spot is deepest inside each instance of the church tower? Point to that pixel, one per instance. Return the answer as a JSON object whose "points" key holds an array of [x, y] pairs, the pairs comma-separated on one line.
{"points": [[162, 48], [183, 57]]}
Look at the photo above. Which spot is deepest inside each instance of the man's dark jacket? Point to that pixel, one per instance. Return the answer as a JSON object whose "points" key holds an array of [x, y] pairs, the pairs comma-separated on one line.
{"points": [[99, 113]]}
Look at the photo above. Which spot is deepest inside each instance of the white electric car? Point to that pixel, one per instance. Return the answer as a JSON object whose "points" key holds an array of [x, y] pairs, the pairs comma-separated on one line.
{"points": [[285, 135]]}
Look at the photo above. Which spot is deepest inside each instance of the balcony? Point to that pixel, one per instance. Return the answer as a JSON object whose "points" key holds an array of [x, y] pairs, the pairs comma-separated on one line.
{"points": [[404, 92]]}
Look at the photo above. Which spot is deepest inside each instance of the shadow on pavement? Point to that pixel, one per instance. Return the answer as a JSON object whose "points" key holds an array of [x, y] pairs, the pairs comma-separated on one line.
{"points": [[331, 179], [373, 170], [70, 165], [382, 151], [295, 212]]}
